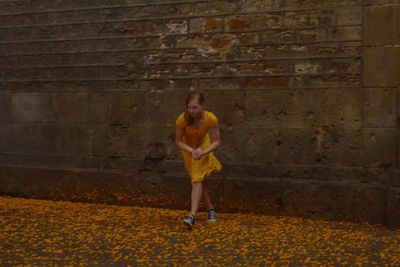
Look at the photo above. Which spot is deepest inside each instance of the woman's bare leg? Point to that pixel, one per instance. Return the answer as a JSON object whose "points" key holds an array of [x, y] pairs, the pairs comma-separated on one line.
{"points": [[206, 198], [196, 197]]}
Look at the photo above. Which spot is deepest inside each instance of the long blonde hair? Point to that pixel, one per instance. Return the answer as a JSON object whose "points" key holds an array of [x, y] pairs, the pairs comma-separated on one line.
{"points": [[193, 96]]}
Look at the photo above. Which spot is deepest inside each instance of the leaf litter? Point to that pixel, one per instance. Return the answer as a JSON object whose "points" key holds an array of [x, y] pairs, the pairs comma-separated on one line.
{"points": [[47, 233]]}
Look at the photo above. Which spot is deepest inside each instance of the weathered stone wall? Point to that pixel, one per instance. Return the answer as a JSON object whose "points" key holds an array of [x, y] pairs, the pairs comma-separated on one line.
{"points": [[307, 93]]}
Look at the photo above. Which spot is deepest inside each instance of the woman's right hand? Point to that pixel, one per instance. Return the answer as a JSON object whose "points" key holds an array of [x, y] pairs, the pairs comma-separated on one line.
{"points": [[197, 153]]}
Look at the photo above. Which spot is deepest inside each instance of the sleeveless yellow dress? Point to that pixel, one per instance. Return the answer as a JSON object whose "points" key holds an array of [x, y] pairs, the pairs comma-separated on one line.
{"points": [[195, 138]]}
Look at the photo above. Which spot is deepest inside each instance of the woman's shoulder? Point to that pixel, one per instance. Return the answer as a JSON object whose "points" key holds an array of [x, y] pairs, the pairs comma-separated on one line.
{"points": [[180, 121], [210, 114], [211, 118]]}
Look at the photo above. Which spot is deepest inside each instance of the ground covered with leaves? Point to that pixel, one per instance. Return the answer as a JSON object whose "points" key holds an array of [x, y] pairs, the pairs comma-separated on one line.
{"points": [[45, 233]]}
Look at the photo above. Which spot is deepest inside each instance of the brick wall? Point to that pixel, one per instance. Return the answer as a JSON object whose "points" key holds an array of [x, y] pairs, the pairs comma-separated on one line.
{"points": [[307, 93]]}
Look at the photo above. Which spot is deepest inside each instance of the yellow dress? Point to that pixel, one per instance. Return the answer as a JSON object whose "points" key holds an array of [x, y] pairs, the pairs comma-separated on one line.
{"points": [[195, 138]]}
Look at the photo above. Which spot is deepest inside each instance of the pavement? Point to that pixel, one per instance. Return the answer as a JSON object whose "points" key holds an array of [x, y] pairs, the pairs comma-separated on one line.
{"points": [[46, 233]]}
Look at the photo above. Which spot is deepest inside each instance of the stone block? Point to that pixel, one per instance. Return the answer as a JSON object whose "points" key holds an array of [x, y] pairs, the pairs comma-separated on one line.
{"points": [[150, 189], [217, 84], [258, 22], [32, 47], [273, 20], [349, 33], [45, 183], [294, 19], [380, 147], [5, 108], [6, 137], [45, 139], [313, 173], [344, 108], [60, 17], [300, 3], [223, 6], [50, 31], [163, 107], [380, 2], [393, 208], [255, 5], [5, 34], [339, 146], [161, 27], [322, 17], [13, 7], [99, 107], [6, 20], [243, 144], [335, 3], [25, 74], [68, 46], [237, 23], [278, 37], [181, 9], [41, 160], [288, 197], [346, 66], [370, 204], [286, 108], [228, 106], [326, 200], [264, 196], [297, 146], [30, 60], [99, 140], [76, 140], [123, 165], [380, 107], [349, 15], [25, 138], [316, 81], [60, 4], [174, 167], [9, 180], [32, 107], [275, 67], [78, 73], [88, 15], [7, 159], [159, 143], [127, 141], [17, 138], [71, 107], [115, 28], [307, 36], [380, 175], [377, 18], [380, 66], [198, 25], [128, 107], [120, 141], [324, 49]]}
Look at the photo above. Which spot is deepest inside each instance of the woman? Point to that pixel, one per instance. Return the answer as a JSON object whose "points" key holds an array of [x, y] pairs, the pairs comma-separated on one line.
{"points": [[193, 139]]}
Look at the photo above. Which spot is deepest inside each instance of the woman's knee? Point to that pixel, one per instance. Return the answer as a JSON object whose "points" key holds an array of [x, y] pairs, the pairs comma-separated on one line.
{"points": [[197, 184]]}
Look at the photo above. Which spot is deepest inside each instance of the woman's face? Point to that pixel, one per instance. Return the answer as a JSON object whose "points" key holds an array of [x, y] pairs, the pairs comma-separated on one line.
{"points": [[195, 109]]}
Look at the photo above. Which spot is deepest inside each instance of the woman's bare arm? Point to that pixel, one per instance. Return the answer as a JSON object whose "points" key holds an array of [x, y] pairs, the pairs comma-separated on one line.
{"points": [[215, 139], [215, 142], [178, 140]]}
